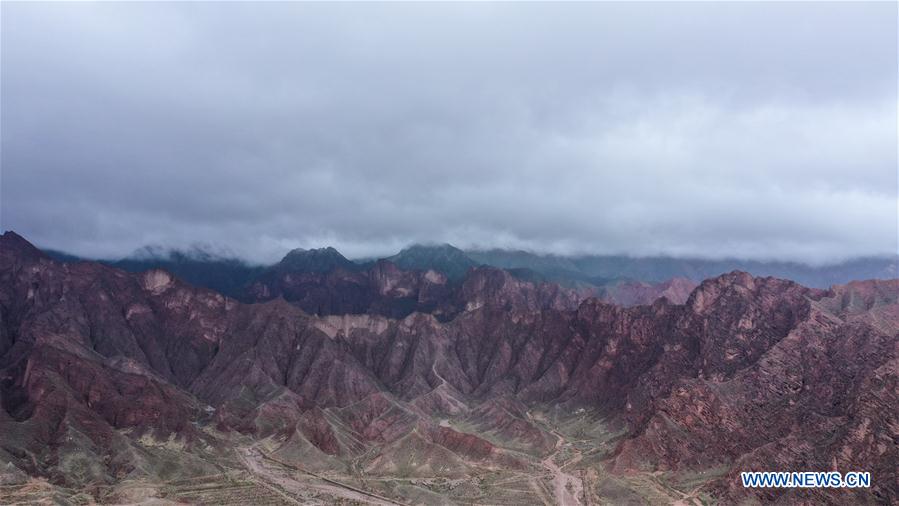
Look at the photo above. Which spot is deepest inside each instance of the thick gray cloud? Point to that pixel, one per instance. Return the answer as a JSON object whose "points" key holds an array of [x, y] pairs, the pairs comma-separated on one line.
{"points": [[755, 130]]}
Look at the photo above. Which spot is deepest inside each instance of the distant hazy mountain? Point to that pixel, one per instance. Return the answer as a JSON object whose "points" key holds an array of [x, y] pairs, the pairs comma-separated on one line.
{"points": [[523, 259], [444, 258], [315, 260], [61, 256], [226, 275], [600, 269], [232, 276], [528, 265]]}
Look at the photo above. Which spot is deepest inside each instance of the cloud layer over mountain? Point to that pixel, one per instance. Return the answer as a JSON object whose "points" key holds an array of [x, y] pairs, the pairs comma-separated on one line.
{"points": [[749, 130]]}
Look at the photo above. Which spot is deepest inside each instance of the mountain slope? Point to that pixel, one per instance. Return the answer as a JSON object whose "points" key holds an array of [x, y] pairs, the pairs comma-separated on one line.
{"points": [[107, 376]]}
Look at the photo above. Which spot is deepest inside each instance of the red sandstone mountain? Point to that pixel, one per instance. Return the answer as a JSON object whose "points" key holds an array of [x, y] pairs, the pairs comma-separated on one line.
{"points": [[748, 374]]}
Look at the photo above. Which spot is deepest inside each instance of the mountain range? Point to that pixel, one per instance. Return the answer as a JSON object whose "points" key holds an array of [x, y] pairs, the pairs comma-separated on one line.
{"points": [[596, 273], [411, 380]]}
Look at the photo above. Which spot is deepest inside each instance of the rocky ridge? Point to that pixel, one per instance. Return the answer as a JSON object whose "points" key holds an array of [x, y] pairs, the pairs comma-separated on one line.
{"points": [[748, 373]]}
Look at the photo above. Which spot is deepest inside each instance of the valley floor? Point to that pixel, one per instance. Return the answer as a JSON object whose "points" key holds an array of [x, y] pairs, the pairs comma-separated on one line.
{"points": [[571, 474]]}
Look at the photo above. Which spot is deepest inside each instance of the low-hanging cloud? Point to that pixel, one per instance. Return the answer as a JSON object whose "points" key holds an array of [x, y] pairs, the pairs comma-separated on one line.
{"points": [[749, 130]]}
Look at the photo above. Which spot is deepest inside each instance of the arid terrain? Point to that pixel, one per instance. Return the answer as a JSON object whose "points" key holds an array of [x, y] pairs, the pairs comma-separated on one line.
{"points": [[449, 253], [385, 385]]}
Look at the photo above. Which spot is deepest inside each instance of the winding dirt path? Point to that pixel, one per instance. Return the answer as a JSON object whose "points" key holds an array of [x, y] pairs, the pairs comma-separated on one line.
{"points": [[567, 488]]}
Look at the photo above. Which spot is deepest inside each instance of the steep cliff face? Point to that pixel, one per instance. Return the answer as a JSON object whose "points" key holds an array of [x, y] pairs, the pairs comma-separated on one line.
{"points": [[748, 374], [814, 394], [84, 361]]}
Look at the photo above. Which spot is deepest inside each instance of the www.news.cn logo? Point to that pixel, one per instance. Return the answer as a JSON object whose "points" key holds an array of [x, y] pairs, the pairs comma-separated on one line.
{"points": [[809, 479]]}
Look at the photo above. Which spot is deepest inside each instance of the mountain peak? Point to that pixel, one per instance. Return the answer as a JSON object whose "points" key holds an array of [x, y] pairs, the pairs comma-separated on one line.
{"points": [[330, 250], [444, 258], [13, 242], [432, 248], [315, 260]]}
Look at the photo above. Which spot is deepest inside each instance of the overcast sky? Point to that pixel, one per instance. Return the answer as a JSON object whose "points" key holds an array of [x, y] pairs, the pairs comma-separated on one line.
{"points": [[755, 130]]}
